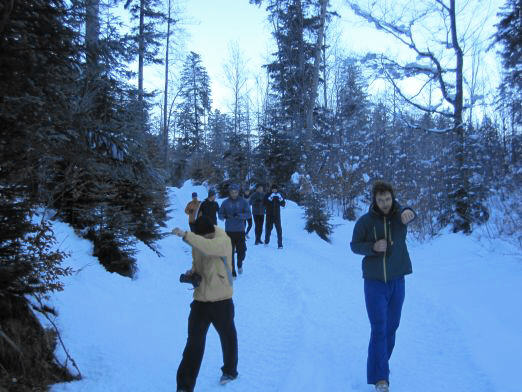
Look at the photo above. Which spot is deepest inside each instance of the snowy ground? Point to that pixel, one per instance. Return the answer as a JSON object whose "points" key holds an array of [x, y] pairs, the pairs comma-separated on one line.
{"points": [[300, 316]]}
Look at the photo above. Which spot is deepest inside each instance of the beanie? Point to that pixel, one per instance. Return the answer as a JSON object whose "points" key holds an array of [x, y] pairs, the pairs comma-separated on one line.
{"points": [[203, 226]]}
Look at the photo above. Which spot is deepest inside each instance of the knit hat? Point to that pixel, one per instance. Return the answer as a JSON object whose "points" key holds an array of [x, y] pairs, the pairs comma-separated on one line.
{"points": [[211, 192], [203, 226], [194, 194]]}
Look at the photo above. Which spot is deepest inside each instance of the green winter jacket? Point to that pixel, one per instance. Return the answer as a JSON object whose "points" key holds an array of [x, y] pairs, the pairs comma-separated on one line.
{"points": [[373, 226]]}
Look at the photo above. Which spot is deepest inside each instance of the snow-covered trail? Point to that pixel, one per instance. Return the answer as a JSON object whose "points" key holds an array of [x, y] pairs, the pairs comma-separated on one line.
{"points": [[300, 316]]}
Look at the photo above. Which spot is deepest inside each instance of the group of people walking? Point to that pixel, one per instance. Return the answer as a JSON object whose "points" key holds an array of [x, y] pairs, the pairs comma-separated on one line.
{"points": [[238, 211], [379, 235]]}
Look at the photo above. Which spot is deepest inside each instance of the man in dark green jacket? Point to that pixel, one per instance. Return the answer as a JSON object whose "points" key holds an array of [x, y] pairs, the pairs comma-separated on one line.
{"points": [[380, 236]]}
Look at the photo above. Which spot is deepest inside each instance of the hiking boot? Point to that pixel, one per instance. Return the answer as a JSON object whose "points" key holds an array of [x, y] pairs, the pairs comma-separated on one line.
{"points": [[382, 386], [240, 270], [226, 378]]}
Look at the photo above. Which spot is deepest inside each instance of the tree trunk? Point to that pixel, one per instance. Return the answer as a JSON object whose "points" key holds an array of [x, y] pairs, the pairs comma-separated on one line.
{"points": [[141, 50], [312, 97], [165, 98], [310, 102], [92, 33], [462, 221]]}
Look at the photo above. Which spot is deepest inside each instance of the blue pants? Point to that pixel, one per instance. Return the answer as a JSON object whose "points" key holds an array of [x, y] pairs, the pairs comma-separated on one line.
{"points": [[383, 304]]}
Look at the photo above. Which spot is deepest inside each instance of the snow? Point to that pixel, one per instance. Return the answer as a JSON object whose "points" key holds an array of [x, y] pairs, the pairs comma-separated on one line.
{"points": [[300, 316]]}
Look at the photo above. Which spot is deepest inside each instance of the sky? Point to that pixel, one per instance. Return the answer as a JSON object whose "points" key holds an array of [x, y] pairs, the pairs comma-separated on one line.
{"points": [[213, 25]]}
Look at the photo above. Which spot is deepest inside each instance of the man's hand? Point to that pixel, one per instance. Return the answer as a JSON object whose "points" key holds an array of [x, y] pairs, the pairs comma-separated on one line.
{"points": [[407, 216], [380, 246], [180, 233]]}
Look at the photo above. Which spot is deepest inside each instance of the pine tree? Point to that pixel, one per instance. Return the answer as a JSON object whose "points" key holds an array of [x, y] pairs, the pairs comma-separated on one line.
{"points": [[508, 35], [194, 106], [145, 35], [299, 33]]}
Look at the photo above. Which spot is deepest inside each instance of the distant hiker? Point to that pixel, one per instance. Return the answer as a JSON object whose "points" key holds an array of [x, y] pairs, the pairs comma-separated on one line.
{"points": [[380, 236], [258, 211], [191, 209], [234, 211], [246, 196], [273, 202], [209, 207], [212, 261]]}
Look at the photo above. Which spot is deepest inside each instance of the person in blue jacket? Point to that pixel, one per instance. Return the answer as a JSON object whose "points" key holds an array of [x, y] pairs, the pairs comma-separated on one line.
{"points": [[380, 236], [235, 211]]}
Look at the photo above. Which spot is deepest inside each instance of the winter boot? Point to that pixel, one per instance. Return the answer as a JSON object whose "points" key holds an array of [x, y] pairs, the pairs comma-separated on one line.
{"points": [[226, 378]]}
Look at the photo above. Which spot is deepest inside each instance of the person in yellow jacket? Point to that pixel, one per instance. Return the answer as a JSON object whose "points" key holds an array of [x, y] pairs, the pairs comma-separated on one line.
{"points": [[212, 261], [192, 209]]}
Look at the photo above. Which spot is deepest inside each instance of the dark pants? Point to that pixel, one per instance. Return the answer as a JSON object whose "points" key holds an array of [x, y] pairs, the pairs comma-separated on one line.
{"points": [[192, 226], [259, 220], [249, 221], [202, 314], [238, 245], [383, 304], [273, 220]]}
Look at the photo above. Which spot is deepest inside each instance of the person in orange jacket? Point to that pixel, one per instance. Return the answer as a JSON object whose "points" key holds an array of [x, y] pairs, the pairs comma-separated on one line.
{"points": [[192, 209]]}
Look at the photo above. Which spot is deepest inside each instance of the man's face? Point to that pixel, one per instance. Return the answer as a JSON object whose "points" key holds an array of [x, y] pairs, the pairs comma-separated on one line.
{"points": [[212, 198], [384, 201], [195, 198], [234, 193], [274, 190], [260, 189]]}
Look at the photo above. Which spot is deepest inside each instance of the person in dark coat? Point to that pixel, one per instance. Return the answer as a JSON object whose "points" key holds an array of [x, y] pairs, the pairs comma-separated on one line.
{"points": [[209, 207], [380, 236], [246, 196], [258, 211], [273, 202], [235, 211]]}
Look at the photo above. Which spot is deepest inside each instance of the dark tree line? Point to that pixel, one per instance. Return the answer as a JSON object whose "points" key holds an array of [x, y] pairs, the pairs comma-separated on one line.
{"points": [[74, 143]]}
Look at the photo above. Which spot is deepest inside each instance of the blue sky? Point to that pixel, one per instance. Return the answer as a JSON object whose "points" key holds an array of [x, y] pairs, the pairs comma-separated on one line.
{"points": [[212, 25]]}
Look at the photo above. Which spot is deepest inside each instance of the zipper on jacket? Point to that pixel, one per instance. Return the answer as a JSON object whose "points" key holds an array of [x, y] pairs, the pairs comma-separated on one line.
{"points": [[384, 256]]}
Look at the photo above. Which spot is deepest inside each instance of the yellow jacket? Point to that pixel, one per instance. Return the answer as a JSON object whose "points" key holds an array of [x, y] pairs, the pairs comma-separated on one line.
{"points": [[209, 256], [191, 209]]}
